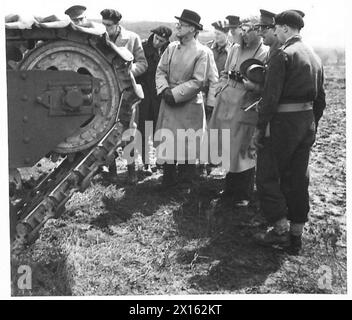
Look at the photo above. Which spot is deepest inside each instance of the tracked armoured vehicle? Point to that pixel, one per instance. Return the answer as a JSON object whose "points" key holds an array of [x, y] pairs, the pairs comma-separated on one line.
{"points": [[69, 90]]}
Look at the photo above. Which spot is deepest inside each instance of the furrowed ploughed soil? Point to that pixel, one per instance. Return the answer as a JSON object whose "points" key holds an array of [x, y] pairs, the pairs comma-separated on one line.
{"points": [[139, 240]]}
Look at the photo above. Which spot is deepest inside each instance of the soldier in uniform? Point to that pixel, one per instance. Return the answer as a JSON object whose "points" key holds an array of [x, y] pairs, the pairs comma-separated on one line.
{"points": [[180, 76], [234, 27], [293, 102], [266, 29], [77, 15], [130, 40], [153, 48]]}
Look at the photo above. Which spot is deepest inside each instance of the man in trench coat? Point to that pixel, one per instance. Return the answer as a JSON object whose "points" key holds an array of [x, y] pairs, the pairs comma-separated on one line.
{"points": [[180, 76], [228, 114]]}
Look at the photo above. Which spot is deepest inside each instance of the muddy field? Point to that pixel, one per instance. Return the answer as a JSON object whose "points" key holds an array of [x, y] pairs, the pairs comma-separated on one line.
{"points": [[138, 240]]}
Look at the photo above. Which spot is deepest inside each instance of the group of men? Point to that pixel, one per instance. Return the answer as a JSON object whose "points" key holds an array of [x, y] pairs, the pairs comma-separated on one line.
{"points": [[259, 63]]}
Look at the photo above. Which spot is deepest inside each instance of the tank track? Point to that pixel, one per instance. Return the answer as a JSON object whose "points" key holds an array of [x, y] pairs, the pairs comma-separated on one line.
{"points": [[52, 193]]}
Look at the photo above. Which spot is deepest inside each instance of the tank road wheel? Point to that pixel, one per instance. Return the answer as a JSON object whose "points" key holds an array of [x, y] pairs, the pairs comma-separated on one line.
{"points": [[74, 56]]}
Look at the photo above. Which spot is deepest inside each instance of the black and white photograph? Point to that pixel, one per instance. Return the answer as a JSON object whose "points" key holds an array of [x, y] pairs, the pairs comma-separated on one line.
{"points": [[180, 149]]}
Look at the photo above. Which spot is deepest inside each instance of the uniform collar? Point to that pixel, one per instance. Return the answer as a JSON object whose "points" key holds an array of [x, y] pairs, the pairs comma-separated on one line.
{"points": [[292, 40], [272, 51]]}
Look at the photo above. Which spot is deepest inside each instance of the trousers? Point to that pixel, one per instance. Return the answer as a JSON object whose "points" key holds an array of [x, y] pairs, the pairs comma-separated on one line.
{"points": [[240, 184], [282, 176]]}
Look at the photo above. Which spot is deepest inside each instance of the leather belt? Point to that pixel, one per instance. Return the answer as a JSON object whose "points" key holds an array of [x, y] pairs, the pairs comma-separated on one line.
{"points": [[294, 107]]}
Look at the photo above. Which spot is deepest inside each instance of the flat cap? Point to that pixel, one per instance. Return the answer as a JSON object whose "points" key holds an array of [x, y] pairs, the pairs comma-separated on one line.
{"points": [[221, 26], [162, 31], [233, 21], [111, 14], [76, 12], [292, 18], [267, 18]]}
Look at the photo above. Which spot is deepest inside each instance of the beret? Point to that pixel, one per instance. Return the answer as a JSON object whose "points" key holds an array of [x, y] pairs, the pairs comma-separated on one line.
{"points": [[162, 31], [292, 18], [111, 14]]}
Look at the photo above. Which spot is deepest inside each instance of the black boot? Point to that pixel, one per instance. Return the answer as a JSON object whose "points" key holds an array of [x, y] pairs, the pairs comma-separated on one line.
{"points": [[186, 173], [132, 176], [169, 176], [227, 193], [295, 245], [112, 174], [147, 170]]}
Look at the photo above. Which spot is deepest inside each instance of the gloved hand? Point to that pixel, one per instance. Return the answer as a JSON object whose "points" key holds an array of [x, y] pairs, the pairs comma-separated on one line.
{"points": [[168, 97]]}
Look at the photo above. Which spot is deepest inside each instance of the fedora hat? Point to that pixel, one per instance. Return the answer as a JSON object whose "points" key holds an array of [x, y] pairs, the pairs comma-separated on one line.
{"points": [[191, 17], [253, 70], [233, 21]]}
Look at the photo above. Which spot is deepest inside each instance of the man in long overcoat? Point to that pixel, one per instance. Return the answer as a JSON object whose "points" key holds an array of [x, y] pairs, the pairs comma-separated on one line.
{"points": [[180, 76], [228, 114]]}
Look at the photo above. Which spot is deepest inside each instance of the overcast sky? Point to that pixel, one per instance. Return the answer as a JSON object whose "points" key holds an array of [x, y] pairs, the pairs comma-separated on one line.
{"points": [[325, 20]]}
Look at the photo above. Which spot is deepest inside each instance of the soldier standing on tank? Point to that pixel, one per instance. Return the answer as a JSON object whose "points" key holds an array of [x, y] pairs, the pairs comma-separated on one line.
{"points": [[77, 15]]}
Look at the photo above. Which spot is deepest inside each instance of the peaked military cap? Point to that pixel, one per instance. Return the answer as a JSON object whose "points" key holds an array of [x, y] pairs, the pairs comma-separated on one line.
{"points": [[111, 14], [162, 31], [253, 70], [76, 12], [233, 21], [292, 18], [191, 17], [267, 18], [221, 26]]}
